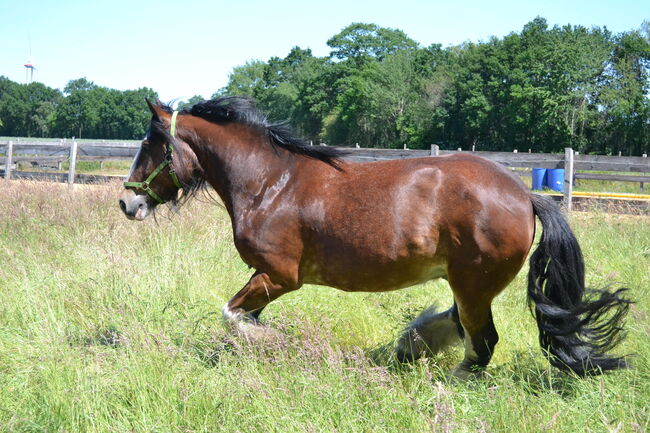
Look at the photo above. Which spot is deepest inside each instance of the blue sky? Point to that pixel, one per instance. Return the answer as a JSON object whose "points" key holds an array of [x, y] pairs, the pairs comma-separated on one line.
{"points": [[181, 49]]}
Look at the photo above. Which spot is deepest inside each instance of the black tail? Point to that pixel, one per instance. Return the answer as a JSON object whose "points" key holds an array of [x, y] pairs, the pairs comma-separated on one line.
{"points": [[577, 326]]}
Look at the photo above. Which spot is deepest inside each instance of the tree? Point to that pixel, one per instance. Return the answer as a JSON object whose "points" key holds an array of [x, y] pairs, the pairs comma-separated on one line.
{"points": [[26, 109], [623, 102], [190, 102], [243, 80], [92, 111], [80, 84], [360, 43], [386, 105]]}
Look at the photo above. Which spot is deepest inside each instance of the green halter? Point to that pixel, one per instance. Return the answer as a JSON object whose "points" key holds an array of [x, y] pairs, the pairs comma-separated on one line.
{"points": [[167, 162]]}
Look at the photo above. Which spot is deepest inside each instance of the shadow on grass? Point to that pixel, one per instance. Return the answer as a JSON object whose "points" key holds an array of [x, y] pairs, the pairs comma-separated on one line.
{"points": [[533, 374], [109, 336], [310, 345]]}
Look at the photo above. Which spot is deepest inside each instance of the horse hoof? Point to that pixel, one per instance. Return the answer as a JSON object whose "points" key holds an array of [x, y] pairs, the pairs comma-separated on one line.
{"points": [[246, 326], [410, 346], [462, 374], [404, 356]]}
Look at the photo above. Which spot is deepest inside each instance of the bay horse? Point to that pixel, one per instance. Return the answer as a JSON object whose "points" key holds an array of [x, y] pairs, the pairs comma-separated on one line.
{"points": [[302, 214]]}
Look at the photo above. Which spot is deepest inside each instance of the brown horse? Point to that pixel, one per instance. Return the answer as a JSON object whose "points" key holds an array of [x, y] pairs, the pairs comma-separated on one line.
{"points": [[301, 214]]}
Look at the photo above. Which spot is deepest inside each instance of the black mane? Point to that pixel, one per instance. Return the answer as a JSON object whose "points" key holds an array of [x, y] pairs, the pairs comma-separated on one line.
{"points": [[243, 110]]}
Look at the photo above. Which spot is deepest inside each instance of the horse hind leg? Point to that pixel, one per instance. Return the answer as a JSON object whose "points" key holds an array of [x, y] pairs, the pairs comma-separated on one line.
{"points": [[474, 297], [480, 339], [429, 333]]}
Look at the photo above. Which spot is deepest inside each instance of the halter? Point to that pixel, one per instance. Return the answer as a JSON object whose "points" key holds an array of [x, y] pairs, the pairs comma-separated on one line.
{"points": [[167, 162]]}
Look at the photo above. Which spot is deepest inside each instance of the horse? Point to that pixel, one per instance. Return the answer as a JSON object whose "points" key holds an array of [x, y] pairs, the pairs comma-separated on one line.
{"points": [[302, 214]]}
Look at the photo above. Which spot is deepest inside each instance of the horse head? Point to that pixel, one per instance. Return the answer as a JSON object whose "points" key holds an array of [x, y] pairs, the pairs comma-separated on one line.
{"points": [[163, 166]]}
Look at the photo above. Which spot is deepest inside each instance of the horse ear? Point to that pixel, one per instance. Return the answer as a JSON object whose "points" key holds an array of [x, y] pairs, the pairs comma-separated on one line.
{"points": [[155, 109]]}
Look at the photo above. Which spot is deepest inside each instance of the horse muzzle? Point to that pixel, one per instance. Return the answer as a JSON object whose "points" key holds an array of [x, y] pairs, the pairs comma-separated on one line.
{"points": [[135, 206]]}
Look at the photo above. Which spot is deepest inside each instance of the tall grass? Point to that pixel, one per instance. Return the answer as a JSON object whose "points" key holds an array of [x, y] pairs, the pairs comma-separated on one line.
{"points": [[108, 325]]}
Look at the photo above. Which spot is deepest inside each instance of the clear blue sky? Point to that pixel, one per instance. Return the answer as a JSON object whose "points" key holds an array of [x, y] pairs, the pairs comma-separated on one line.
{"points": [[181, 49]]}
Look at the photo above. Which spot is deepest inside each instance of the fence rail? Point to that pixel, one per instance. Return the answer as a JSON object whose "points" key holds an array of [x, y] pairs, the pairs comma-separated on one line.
{"points": [[48, 153]]}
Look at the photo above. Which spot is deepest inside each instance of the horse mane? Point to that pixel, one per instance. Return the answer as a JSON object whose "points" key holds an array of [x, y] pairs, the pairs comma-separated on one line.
{"points": [[243, 110]]}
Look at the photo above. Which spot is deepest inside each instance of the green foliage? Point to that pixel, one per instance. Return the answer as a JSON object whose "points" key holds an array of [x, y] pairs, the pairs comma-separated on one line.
{"points": [[244, 80], [360, 43], [91, 111], [84, 110], [542, 89], [26, 109], [186, 104]]}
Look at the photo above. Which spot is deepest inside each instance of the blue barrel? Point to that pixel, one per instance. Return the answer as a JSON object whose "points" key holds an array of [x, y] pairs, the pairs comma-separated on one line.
{"points": [[539, 178], [555, 179]]}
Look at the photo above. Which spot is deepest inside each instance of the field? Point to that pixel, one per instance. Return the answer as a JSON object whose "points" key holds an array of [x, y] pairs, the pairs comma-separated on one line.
{"points": [[108, 325]]}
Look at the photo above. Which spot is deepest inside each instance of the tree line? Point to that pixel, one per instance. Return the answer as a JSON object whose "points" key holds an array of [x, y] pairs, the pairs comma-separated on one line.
{"points": [[543, 88], [82, 110]]}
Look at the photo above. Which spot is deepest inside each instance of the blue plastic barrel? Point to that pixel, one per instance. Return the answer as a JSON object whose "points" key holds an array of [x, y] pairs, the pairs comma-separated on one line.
{"points": [[539, 178], [555, 179]]}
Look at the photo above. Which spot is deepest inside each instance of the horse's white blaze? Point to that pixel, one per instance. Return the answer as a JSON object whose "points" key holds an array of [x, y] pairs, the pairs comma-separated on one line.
{"points": [[133, 164]]}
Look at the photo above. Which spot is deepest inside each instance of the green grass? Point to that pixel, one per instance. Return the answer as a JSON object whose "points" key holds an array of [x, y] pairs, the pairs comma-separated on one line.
{"points": [[107, 168], [120, 168], [108, 325], [592, 185]]}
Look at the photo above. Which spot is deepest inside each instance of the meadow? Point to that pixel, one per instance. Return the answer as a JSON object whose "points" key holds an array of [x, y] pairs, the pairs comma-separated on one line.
{"points": [[109, 325]]}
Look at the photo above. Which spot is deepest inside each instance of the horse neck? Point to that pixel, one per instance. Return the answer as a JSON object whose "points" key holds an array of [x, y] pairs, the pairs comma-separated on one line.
{"points": [[238, 162]]}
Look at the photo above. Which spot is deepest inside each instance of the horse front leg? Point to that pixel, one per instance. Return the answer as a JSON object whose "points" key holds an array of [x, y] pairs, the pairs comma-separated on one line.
{"points": [[242, 311]]}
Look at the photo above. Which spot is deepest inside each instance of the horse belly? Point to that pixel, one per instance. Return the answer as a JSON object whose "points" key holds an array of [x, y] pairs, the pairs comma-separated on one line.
{"points": [[364, 275]]}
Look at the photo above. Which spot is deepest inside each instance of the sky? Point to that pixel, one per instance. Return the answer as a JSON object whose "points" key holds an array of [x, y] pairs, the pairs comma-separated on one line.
{"points": [[186, 48]]}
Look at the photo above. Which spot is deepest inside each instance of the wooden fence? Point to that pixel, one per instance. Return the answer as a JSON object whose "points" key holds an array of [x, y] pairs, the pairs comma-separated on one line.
{"points": [[53, 154]]}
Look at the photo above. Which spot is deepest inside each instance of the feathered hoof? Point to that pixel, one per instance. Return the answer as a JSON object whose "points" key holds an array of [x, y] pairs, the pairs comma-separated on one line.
{"points": [[248, 328]]}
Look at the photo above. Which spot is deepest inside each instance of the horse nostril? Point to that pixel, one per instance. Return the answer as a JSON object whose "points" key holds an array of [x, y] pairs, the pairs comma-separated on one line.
{"points": [[141, 205], [123, 206]]}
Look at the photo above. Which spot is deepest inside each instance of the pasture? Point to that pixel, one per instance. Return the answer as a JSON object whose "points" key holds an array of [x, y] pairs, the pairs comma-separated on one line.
{"points": [[108, 325]]}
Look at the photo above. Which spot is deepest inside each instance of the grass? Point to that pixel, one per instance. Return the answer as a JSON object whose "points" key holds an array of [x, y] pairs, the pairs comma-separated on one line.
{"points": [[592, 185], [108, 325], [117, 168]]}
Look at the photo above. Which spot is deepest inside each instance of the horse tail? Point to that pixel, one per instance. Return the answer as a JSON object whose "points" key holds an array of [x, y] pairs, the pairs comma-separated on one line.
{"points": [[577, 326]]}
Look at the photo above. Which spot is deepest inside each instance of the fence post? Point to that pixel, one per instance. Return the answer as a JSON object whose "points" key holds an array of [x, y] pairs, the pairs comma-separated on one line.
{"points": [[435, 150], [73, 162], [10, 150], [641, 184], [568, 177]]}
